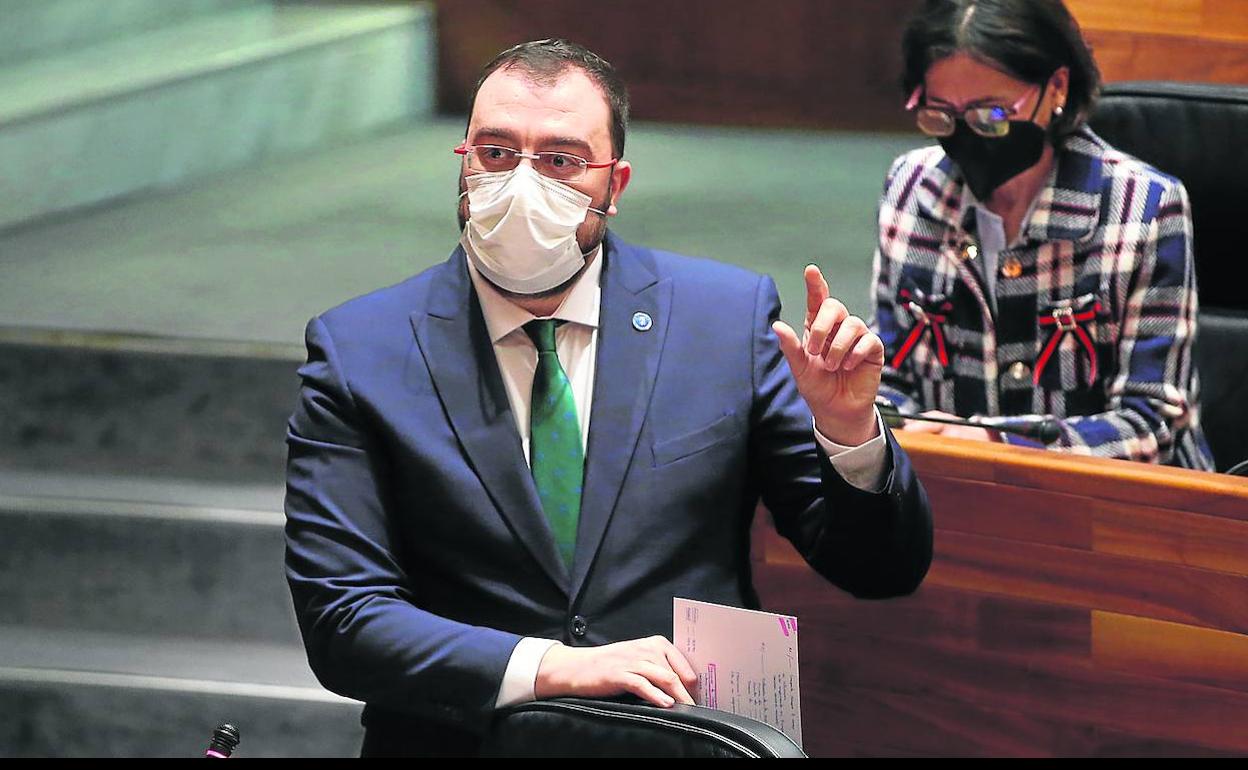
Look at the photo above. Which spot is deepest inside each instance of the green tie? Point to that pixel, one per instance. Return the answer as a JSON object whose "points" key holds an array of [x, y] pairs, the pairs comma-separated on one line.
{"points": [[555, 453]]}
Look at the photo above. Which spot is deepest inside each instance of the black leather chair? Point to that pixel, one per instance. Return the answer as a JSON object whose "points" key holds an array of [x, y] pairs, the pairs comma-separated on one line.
{"points": [[1198, 133], [576, 728]]}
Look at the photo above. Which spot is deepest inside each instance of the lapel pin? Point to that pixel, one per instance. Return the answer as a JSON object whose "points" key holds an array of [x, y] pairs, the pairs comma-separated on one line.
{"points": [[642, 321]]}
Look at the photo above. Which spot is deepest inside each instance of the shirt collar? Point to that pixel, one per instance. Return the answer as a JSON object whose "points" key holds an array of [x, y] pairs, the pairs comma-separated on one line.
{"points": [[581, 306], [989, 226]]}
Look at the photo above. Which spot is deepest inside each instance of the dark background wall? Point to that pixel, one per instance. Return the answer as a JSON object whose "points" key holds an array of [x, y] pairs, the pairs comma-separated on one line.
{"points": [[803, 63], [807, 63]]}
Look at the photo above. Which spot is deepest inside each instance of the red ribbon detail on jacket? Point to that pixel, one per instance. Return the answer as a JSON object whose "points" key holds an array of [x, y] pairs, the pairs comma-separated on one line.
{"points": [[1066, 320], [927, 320]]}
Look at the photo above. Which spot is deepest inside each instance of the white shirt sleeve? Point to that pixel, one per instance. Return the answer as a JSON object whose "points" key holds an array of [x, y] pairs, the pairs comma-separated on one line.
{"points": [[520, 678], [864, 466]]}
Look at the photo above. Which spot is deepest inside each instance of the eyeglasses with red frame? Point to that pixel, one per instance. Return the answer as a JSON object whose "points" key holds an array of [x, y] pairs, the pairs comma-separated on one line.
{"points": [[563, 166]]}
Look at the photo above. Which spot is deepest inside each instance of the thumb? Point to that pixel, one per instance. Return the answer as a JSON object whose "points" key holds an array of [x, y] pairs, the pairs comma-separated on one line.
{"points": [[790, 346]]}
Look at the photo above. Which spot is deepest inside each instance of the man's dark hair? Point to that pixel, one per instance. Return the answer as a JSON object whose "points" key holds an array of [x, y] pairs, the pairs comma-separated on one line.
{"points": [[544, 61], [1026, 39]]}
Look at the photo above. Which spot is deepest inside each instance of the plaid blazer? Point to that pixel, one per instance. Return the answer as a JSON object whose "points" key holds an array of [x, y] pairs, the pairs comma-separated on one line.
{"points": [[1095, 305]]}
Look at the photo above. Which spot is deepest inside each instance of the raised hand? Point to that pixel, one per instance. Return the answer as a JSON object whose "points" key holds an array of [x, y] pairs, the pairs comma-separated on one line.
{"points": [[836, 364]]}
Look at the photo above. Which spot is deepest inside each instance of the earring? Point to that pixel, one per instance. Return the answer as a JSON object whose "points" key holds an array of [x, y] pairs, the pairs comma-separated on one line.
{"points": [[1057, 111]]}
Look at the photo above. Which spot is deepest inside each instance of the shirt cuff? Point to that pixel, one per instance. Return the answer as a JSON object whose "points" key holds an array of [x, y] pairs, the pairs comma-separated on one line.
{"points": [[520, 678], [864, 466]]}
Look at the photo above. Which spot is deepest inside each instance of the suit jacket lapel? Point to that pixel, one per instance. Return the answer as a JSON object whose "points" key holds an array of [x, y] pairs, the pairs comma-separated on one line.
{"points": [[456, 346], [628, 360]]}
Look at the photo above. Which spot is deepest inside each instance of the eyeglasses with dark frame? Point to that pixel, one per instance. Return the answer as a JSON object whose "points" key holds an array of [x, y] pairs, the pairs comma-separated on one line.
{"points": [[563, 166], [991, 121]]}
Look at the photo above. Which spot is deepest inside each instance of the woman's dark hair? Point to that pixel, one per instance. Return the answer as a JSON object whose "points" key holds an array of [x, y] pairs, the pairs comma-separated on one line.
{"points": [[1026, 39]]}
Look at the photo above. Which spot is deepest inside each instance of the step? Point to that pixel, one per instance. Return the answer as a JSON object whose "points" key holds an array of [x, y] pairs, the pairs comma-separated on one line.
{"points": [[199, 565], [75, 693], [34, 28], [211, 93], [146, 407], [247, 255]]}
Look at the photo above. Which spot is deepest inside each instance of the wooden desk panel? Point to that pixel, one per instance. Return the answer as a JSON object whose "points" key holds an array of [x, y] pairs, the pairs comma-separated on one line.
{"points": [[1081, 578], [1136, 56], [1076, 606], [1209, 19], [1170, 650], [1204, 41]]}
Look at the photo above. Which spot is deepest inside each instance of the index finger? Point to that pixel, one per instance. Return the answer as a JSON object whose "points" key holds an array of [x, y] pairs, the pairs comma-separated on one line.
{"points": [[681, 666], [816, 291]]}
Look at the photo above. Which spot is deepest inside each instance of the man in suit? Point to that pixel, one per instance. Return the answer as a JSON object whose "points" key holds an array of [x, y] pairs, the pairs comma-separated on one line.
{"points": [[502, 470]]}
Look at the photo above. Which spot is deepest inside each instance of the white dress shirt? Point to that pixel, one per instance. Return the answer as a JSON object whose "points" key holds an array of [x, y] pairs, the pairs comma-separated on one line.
{"points": [[576, 343]]}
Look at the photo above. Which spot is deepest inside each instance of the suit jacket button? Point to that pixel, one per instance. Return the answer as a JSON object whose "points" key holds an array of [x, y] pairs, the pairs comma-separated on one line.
{"points": [[1011, 268], [578, 626], [1018, 371]]}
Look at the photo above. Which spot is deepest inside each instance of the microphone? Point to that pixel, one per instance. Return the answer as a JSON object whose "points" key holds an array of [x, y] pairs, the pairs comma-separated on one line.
{"points": [[1042, 428], [224, 740]]}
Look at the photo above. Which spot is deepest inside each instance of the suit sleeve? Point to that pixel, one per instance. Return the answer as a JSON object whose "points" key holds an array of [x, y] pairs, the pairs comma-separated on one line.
{"points": [[364, 636], [873, 545]]}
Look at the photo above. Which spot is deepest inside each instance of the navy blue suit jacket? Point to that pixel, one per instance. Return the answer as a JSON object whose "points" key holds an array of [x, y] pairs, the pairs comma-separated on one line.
{"points": [[417, 552]]}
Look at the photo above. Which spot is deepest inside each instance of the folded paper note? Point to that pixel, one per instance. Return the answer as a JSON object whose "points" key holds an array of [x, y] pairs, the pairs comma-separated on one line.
{"points": [[746, 661]]}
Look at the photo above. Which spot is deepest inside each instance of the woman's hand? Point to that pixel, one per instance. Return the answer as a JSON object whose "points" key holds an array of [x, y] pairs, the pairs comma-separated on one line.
{"points": [[953, 431]]}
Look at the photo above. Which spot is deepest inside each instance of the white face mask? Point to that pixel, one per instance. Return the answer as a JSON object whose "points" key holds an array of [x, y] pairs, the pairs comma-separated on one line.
{"points": [[521, 229]]}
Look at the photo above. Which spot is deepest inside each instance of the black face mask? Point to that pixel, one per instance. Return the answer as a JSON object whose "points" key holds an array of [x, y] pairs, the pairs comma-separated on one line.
{"points": [[986, 163]]}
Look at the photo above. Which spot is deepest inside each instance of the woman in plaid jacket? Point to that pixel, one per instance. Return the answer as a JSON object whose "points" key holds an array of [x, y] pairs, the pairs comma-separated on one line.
{"points": [[1024, 267]]}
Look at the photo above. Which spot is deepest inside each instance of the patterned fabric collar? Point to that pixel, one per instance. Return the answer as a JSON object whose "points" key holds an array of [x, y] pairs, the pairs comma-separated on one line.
{"points": [[1067, 209]]}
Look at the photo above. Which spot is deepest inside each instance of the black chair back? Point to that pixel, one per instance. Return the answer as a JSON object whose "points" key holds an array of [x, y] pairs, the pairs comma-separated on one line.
{"points": [[576, 728], [1199, 134]]}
